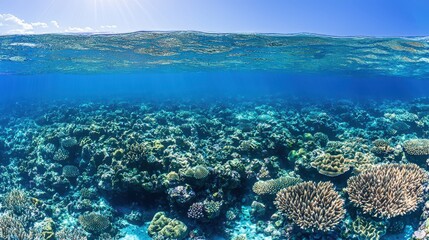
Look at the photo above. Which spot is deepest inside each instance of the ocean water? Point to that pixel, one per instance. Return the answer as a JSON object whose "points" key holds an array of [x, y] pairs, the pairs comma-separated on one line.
{"points": [[189, 135]]}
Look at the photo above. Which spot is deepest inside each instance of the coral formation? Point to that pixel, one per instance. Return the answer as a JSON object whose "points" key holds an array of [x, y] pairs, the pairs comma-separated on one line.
{"points": [[417, 147], [12, 228], [368, 229], [17, 201], [162, 227], [94, 222], [388, 190], [312, 206], [196, 210], [331, 165], [272, 186], [70, 171]]}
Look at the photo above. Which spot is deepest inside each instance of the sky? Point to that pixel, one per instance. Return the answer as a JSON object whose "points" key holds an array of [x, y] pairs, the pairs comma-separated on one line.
{"points": [[331, 17]]}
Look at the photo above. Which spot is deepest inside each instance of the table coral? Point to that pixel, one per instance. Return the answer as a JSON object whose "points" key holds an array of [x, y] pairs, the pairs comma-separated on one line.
{"points": [[388, 190], [312, 206]]}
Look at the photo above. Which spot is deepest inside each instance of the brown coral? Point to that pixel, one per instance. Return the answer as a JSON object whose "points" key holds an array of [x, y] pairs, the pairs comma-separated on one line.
{"points": [[271, 187], [94, 222], [331, 165], [417, 147], [388, 190], [312, 206]]}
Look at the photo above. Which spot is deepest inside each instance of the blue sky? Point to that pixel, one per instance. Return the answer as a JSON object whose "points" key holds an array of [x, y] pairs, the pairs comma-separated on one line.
{"points": [[333, 17]]}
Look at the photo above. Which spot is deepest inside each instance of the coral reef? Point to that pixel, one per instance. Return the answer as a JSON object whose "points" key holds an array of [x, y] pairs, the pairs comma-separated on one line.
{"points": [[215, 167], [388, 190], [312, 206]]}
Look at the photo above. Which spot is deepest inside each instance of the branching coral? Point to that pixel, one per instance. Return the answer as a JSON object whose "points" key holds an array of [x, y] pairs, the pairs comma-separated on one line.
{"points": [[312, 206], [388, 190], [71, 234], [271, 187], [12, 228], [17, 201]]}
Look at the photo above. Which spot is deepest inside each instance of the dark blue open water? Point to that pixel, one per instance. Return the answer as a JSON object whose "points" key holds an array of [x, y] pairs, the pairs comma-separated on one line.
{"points": [[99, 134]]}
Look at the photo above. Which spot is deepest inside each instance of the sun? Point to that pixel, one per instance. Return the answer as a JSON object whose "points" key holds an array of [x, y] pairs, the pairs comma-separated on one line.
{"points": [[123, 8]]}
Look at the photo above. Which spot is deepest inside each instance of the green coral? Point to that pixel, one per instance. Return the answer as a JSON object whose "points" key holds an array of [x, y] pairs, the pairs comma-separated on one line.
{"points": [[162, 227], [368, 229], [271, 187], [200, 172], [212, 209]]}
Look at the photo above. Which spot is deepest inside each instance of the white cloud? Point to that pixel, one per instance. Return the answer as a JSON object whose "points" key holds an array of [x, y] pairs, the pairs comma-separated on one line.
{"points": [[11, 24], [39, 24], [55, 24]]}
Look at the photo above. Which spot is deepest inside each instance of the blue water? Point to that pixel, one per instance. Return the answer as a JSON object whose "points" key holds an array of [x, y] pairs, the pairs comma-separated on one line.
{"points": [[198, 94]]}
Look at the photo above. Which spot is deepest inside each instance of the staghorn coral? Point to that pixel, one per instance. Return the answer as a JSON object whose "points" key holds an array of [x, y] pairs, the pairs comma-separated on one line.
{"points": [[271, 187], [388, 190], [12, 228], [312, 206], [331, 165], [71, 234], [17, 201], [417, 147], [94, 222]]}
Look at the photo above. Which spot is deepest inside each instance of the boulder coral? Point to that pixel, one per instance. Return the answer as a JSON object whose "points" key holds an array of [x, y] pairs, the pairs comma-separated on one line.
{"points": [[163, 227], [94, 222], [331, 165], [417, 147], [312, 206], [387, 190]]}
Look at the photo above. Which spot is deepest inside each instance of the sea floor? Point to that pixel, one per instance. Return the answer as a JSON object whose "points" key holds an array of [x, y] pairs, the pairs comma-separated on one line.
{"points": [[211, 169]]}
